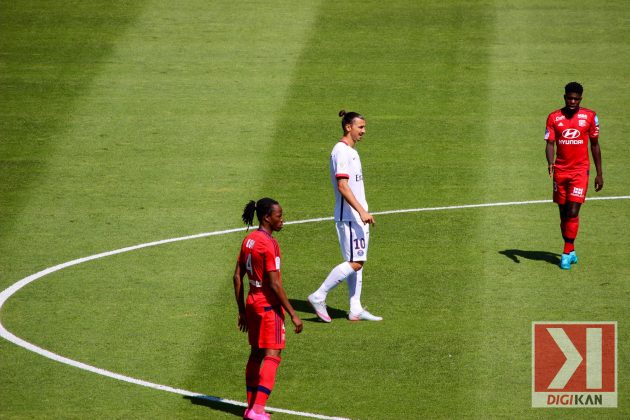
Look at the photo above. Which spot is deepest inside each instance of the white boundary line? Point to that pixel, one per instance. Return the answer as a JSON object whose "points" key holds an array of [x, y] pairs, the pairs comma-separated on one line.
{"points": [[10, 291]]}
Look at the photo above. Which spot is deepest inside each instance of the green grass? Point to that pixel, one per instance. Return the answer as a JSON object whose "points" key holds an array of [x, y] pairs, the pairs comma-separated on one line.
{"points": [[123, 124]]}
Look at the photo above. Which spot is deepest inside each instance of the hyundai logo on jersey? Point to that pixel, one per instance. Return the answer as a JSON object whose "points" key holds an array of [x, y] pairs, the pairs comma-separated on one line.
{"points": [[571, 133]]}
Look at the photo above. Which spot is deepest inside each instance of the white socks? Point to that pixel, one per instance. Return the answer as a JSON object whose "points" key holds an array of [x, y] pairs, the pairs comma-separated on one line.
{"points": [[355, 282], [336, 276]]}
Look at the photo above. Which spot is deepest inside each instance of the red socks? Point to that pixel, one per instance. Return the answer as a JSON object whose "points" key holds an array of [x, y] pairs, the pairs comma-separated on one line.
{"points": [[569, 227], [568, 247], [252, 371], [260, 380], [267, 379]]}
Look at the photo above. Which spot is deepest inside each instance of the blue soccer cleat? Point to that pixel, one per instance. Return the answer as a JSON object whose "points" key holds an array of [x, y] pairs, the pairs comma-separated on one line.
{"points": [[574, 258], [565, 261]]}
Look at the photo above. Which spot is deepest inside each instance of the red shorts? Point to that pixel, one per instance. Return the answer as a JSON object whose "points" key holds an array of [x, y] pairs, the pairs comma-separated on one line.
{"points": [[265, 326], [570, 186]]}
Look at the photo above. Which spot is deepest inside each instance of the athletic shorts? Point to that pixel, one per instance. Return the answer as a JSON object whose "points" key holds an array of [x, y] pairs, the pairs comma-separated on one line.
{"points": [[353, 240], [265, 326], [570, 186]]}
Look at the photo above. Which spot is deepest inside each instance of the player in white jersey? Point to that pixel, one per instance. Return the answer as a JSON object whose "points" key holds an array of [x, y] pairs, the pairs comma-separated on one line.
{"points": [[352, 220]]}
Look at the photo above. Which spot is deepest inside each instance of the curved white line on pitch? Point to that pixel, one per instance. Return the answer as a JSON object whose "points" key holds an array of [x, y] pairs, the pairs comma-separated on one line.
{"points": [[7, 293]]}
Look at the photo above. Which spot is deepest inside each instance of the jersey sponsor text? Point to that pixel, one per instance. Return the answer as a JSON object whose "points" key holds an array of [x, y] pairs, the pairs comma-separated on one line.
{"points": [[579, 141]]}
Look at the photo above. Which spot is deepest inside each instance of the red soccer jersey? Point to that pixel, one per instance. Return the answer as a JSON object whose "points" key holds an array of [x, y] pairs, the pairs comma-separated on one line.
{"points": [[572, 136], [259, 255]]}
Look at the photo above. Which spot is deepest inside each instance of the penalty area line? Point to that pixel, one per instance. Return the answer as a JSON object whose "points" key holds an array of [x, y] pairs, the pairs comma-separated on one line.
{"points": [[10, 291]]}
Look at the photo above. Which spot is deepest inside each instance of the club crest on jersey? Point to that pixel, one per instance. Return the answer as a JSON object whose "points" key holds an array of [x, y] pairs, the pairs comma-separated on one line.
{"points": [[582, 123]]}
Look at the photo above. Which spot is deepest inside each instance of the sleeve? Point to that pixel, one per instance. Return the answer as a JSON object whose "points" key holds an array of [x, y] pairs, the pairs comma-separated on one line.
{"points": [[550, 132], [272, 256], [340, 164], [594, 131]]}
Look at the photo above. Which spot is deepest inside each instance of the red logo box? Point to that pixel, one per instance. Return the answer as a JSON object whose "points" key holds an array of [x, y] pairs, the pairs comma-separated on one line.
{"points": [[574, 364]]}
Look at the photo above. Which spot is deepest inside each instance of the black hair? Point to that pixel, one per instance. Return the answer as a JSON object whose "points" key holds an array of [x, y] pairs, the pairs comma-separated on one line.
{"points": [[348, 117], [573, 87], [262, 208]]}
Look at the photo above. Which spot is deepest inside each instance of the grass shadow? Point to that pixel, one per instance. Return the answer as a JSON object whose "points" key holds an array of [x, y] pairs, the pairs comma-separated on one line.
{"points": [[51, 55], [514, 254], [304, 306], [217, 404]]}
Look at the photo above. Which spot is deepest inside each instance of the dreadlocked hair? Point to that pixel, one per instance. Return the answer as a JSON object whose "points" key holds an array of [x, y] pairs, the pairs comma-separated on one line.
{"points": [[262, 208], [248, 213]]}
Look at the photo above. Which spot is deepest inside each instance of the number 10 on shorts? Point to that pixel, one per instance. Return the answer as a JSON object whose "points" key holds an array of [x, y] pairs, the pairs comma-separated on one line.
{"points": [[574, 364]]}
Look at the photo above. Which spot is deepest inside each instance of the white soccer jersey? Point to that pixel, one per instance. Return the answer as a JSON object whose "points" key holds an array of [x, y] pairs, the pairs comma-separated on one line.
{"points": [[345, 163]]}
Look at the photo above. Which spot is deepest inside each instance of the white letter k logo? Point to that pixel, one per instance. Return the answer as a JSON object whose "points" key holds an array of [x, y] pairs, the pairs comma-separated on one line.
{"points": [[570, 352]]}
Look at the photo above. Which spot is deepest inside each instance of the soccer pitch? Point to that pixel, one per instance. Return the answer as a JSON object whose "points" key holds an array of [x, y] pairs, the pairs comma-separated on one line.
{"points": [[123, 124]]}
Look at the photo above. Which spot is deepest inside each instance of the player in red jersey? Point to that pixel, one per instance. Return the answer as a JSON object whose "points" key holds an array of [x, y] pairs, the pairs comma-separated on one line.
{"points": [[262, 316], [567, 134]]}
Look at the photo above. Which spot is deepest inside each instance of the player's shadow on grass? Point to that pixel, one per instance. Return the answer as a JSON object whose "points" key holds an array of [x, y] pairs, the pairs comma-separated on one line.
{"points": [[217, 404], [514, 254], [304, 306]]}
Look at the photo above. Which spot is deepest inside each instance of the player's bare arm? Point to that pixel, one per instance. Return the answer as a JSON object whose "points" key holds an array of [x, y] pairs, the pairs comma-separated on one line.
{"points": [[597, 160], [348, 195], [276, 285], [239, 293], [550, 152]]}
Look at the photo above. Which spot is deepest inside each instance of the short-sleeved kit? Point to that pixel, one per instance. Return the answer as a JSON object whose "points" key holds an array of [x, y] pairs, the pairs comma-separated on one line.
{"points": [[571, 167], [260, 254], [353, 234]]}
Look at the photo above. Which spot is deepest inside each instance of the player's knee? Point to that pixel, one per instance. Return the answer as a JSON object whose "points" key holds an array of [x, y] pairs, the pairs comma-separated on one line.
{"points": [[257, 354], [563, 210], [356, 265], [573, 211], [273, 352]]}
